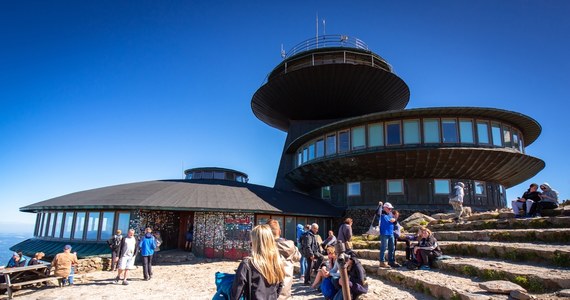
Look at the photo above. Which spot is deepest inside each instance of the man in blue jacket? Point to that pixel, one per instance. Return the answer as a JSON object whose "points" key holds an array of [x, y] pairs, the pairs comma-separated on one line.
{"points": [[147, 246], [387, 236]]}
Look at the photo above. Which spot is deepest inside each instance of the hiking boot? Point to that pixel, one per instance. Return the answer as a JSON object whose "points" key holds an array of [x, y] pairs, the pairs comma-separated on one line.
{"points": [[125, 282], [116, 280], [395, 265], [384, 264], [425, 268]]}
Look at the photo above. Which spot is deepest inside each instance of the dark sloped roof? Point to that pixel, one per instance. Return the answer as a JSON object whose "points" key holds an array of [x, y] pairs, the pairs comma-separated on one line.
{"points": [[202, 195], [84, 249]]}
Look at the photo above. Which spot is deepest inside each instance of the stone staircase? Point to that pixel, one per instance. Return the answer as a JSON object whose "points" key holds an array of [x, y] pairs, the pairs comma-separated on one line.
{"points": [[533, 253]]}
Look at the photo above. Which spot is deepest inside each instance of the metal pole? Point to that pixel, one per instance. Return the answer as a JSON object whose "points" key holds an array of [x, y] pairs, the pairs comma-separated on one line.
{"points": [[342, 258]]}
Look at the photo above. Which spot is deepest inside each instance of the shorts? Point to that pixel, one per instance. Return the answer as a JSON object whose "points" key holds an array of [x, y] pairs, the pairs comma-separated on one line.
{"points": [[127, 263]]}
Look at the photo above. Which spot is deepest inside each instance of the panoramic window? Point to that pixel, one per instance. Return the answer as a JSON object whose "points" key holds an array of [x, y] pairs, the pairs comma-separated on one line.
{"points": [[441, 186], [507, 136], [326, 192], [479, 188], [393, 134], [107, 225], [219, 175], [358, 138], [449, 129], [197, 175], [58, 220], [123, 222], [395, 186], [483, 132], [290, 228], [496, 133], [431, 131], [343, 142], [376, 135], [207, 175], [516, 143], [331, 144], [353, 188], [466, 131], [92, 225], [79, 226], [311, 151], [41, 224], [299, 158], [320, 148], [68, 225], [49, 225], [411, 132], [305, 154]]}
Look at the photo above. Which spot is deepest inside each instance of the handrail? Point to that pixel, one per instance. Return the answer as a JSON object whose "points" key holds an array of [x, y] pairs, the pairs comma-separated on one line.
{"points": [[322, 41]]}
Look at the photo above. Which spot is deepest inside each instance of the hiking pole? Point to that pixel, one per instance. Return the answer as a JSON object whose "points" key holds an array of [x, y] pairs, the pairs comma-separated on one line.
{"points": [[342, 258]]}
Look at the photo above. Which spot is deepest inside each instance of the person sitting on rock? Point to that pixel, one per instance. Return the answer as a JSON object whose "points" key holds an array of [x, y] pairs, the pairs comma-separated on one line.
{"points": [[427, 249], [526, 201], [328, 268], [548, 199], [356, 278]]}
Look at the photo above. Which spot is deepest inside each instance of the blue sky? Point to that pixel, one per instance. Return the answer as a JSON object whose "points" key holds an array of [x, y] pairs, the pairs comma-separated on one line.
{"points": [[108, 92]]}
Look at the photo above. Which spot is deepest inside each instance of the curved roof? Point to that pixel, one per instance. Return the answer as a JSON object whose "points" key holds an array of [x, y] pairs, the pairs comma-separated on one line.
{"points": [[529, 127], [194, 195], [500, 165], [328, 88], [207, 169]]}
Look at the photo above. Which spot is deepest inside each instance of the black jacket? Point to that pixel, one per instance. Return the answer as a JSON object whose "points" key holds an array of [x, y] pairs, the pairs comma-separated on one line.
{"points": [[309, 245], [430, 244], [260, 288], [357, 276], [534, 196]]}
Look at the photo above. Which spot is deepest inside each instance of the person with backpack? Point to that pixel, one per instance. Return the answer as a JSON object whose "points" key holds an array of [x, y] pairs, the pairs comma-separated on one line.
{"points": [[147, 245], [456, 200], [310, 250], [115, 245]]}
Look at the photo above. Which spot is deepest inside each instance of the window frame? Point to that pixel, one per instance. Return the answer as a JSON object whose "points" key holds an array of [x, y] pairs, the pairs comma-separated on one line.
{"points": [[401, 181], [419, 131], [335, 139], [489, 135], [352, 139], [353, 183], [386, 136], [483, 184], [438, 131], [456, 122], [435, 192], [339, 150], [473, 136], [381, 132]]}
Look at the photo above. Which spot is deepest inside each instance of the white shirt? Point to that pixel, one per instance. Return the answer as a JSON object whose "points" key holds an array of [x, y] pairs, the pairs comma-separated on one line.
{"points": [[131, 244]]}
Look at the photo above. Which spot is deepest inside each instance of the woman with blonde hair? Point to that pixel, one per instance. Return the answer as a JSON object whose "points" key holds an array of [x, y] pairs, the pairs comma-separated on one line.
{"points": [[427, 249], [261, 275]]}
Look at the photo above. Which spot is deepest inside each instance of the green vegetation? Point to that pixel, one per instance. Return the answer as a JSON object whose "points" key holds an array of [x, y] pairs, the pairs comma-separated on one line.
{"points": [[423, 222], [532, 284], [419, 287], [455, 296], [561, 259], [469, 270], [492, 275], [539, 223]]}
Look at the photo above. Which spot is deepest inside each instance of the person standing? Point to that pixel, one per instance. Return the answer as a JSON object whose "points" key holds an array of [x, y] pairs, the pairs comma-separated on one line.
{"points": [[290, 255], [127, 254], [62, 263], [147, 246], [115, 244], [310, 250], [303, 262], [387, 222], [456, 200], [345, 233], [189, 239]]}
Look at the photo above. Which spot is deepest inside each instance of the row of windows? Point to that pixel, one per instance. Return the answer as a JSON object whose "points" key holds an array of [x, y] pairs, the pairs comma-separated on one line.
{"points": [[92, 225], [288, 224], [396, 187], [216, 175], [427, 131]]}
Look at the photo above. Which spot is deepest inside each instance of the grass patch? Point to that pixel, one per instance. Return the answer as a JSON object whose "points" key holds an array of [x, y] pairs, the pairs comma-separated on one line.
{"points": [[455, 296], [561, 259], [492, 275], [539, 223], [470, 271], [532, 284]]}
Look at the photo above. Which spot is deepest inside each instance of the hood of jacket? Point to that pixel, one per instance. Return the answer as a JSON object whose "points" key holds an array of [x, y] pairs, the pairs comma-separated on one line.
{"points": [[287, 249]]}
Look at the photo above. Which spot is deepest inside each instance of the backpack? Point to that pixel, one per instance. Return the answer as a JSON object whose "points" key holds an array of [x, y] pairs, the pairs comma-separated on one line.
{"points": [[116, 242], [305, 244]]}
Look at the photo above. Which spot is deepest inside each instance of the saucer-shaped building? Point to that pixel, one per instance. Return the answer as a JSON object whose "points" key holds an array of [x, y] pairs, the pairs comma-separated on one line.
{"points": [[350, 143]]}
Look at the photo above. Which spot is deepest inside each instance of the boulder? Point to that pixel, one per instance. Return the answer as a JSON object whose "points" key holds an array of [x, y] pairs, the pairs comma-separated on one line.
{"points": [[415, 220], [506, 214], [564, 293], [520, 295], [484, 216], [443, 216], [501, 286], [473, 296]]}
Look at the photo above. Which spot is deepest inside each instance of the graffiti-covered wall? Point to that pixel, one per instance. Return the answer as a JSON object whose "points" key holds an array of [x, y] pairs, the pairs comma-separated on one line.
{"points": [[222, 235], [164, 222]]}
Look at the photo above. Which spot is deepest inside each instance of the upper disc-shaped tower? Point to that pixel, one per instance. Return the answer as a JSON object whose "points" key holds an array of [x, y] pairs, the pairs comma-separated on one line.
{"points": [[328, 78]]}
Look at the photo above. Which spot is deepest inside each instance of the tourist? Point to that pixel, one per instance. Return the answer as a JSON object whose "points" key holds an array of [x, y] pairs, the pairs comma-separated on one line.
{"points": [[289, 255], [548, 199], [127, 254], [398, 237], [329, 241], [356, 279], [387, 236], [345, 233], [37, 259], [456, 200], [189, 238], [310, 250], [16, 261], [147, 246], [158, 239], [62, 264], [72, 271], [328, 268], [115, 245], [303, 261], [427, 249], [527, 200], [265, 268]]}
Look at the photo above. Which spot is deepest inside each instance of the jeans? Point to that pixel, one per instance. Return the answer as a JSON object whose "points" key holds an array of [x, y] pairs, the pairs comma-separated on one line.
{"points": [[147, 266], [71, 274], [308, 270], [303, 265], [387, 242]]}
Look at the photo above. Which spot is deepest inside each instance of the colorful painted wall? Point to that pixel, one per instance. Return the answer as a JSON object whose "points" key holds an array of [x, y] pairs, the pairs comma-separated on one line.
{"points": [[222, 235]]}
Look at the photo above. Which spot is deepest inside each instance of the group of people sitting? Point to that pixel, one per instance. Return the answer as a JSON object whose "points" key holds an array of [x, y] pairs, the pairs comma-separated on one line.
{"points": [[532, 202]]}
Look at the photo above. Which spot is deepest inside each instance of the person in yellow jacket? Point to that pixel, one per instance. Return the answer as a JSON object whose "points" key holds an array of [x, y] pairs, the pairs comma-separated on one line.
{"points": [[62, 263]]}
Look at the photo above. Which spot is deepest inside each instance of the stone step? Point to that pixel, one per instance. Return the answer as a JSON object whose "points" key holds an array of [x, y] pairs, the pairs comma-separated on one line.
{"points": [[551, 235], [544, 222]]}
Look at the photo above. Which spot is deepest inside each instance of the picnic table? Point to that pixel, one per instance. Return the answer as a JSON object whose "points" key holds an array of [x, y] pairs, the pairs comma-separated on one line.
{"points": [[27, 275]]}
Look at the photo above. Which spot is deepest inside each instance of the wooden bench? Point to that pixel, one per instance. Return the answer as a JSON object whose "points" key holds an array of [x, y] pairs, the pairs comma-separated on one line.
{"points": [[21, 276]]}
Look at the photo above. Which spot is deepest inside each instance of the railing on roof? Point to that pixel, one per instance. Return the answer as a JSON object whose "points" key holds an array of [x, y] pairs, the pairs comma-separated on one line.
{"points": [[322, 41]]}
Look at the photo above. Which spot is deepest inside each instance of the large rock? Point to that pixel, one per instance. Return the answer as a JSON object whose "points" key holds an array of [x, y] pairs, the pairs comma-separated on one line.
{"points": [[564, 293], [443, 216], [415, 220], [501, 286], [484, 216], [520, 295]]}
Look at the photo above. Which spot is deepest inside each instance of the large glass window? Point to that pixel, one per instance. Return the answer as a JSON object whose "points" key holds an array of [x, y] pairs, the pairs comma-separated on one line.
{"points": [[311, 151], [207, 175], [262, 219], [299, 158], [353, 188], [358, 138], [67, 225], [466, 131], [411, 132], [290, 229], [507, 137], [48, 227], [197, 175], [441, 186], [393, 134], [343, 142], [320, 148], [496, 133], [376, 135], [123, 222], [431, 131], [58, 220], [331, 144], [516, 143], [305, 155], [483, 132], [395, 186], [326, 192], [479, 188], [449, 129], [107, 225], [79, 226], [219, 175], [42, 220], [93, 225]]}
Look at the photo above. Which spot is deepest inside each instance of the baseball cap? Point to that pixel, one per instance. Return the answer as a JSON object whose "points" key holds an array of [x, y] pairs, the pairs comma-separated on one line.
{"points": [[388, 205], [67, 247]]}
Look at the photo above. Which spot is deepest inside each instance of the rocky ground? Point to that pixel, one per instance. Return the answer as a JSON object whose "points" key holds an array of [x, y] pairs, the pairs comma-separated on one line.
{"points": [[189, 280]]}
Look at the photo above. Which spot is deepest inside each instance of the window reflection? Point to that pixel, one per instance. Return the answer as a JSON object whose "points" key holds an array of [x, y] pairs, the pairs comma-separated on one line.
{"points": [[431, 131], [411, 132], [483, 132], [479, 188], [343, 142], [496, 133], [395, 186], [393, 136], [466, 131], [449, 129], [441, 186], [353, 189], [331, 144], [79, 226], [358, 138], [375, 135], [68, 225]]}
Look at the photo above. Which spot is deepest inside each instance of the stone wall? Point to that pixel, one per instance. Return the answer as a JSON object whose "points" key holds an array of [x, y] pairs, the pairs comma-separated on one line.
{"points": [[362, 218], [92, 264]]}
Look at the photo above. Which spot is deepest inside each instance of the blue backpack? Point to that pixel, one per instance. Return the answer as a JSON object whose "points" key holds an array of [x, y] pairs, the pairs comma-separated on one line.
{"points": [[224, 283]]}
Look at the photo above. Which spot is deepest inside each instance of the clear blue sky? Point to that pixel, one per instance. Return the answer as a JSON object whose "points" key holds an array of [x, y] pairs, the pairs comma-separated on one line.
{"points": [[109, 92]]}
